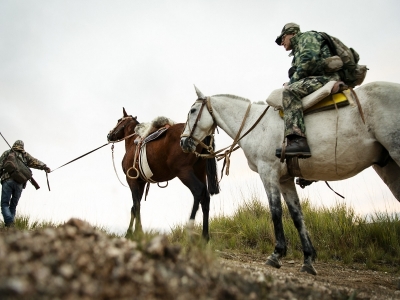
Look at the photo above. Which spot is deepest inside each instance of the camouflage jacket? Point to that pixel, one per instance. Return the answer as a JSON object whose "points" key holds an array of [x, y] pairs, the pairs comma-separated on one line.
{"points": [[309, 52], [26, 157]]}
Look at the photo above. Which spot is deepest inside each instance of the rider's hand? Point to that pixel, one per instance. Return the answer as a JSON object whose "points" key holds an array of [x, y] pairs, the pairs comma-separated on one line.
{"points": [[47, 169]]}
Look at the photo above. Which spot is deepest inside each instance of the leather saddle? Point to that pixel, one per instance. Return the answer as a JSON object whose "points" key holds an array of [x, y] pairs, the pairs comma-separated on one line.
{"points": [[143, 165], [333, 94]]}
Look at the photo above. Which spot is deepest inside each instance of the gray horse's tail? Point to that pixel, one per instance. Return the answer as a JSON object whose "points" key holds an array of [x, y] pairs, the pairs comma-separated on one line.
{"points": [[211, 169]]}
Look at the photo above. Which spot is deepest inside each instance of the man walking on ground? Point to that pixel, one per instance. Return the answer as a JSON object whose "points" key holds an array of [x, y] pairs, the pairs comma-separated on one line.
{"points": [[11, 190]]}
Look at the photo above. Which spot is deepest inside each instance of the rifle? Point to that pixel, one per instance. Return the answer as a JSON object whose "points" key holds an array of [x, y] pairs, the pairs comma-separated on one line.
{"points": [[31, 180]]}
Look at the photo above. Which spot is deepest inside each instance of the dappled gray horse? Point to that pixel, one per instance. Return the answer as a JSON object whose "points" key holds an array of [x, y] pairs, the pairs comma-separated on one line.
{"points": [[342, 146]]}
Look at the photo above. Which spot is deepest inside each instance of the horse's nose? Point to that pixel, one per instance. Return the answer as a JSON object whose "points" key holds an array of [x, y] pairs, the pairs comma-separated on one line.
{"points": [[184, 144]]}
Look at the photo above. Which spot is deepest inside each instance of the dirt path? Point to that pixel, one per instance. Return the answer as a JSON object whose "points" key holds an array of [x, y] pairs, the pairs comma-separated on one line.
{"points": [[364, 284]]}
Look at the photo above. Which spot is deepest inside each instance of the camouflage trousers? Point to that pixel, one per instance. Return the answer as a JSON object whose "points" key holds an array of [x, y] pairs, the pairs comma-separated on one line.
{"points": [[292, 105]]}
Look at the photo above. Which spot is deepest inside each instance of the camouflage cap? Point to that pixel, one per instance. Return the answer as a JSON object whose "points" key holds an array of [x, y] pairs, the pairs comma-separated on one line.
{"points": [[18, 145], [292, 28]]}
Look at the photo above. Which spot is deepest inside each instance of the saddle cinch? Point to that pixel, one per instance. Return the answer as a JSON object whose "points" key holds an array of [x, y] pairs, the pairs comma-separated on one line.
{"points": [[331, 95]]}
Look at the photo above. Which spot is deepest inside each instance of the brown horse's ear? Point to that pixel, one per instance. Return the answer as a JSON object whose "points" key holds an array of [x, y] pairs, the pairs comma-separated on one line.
{"points": [[125, 114]]}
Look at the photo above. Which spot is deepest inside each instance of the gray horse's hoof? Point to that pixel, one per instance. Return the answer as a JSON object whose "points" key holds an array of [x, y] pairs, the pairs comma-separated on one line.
{"points": [[273, 261], [309, 269]]}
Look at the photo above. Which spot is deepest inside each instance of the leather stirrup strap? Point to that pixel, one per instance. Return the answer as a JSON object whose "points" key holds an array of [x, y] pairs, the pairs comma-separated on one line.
{"points": [[147, 190], [358, 104]]}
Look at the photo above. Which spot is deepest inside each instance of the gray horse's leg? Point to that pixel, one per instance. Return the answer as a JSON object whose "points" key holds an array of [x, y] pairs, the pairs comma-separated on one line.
{"points": [[390, 175], [289, 193], [275, 206]]}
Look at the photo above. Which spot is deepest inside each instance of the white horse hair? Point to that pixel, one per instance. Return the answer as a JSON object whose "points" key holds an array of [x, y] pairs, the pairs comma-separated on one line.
{"points": [[341, 147], [144, 129]]}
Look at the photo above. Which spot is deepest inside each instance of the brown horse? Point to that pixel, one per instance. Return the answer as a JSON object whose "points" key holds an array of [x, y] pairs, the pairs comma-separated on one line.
{"points": [[167, 161]]}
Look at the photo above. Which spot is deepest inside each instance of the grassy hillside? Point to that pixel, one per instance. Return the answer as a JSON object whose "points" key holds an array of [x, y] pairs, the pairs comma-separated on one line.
{"points": [[338, 234]]}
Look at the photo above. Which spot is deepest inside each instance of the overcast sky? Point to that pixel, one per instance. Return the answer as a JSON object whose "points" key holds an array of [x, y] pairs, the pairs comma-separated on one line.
{"points": [[68, 67]]}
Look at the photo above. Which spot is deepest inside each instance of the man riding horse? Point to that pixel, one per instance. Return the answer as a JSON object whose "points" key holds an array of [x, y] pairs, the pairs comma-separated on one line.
{"points": [[306, 76]]}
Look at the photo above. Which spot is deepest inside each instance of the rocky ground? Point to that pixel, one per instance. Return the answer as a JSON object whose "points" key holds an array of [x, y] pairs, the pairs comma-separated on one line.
{"points": [[77, 261]]}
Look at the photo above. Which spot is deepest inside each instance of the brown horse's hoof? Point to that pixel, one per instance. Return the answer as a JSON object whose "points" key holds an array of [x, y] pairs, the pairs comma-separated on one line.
{"points": [[309, 269], [129, 234], [273, 261]]}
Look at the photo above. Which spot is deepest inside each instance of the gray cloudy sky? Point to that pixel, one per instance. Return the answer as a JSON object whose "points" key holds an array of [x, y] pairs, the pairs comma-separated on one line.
{"points": [[68, 68]]}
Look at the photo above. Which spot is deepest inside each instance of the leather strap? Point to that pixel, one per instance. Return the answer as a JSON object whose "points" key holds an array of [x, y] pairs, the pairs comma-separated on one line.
{"points": [[358, 104]]}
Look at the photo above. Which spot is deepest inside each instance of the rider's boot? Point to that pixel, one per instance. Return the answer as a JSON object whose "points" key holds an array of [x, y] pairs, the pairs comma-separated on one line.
{"points": [[296, 146]]}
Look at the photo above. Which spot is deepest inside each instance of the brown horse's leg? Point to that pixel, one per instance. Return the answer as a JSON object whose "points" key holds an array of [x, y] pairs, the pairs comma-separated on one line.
{"points": [[129, 232], [205, 206], [137, 193], [200, 195]]}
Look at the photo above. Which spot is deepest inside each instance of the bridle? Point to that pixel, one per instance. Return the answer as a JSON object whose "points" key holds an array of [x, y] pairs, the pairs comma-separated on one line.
{"points": [[122, 128], [120, 140], [205, 102]]}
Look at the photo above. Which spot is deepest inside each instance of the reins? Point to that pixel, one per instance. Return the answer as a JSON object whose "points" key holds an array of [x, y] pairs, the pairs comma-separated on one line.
{"points": [[233, 147]]}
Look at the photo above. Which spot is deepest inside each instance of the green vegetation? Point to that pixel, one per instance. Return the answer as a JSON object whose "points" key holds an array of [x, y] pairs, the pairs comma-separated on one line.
{"points": [[24, 223], [337, 232]]}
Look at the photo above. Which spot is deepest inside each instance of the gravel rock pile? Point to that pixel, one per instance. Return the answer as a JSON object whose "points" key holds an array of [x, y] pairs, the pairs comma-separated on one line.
{"points": [[77, 261]]}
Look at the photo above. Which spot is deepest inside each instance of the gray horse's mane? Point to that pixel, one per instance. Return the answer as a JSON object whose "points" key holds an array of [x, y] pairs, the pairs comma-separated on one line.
{"points": [[239, 98], [144, 129], [232, 96]]}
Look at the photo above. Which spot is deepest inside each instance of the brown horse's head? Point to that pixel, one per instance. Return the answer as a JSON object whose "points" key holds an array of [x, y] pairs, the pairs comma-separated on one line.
{"points": [[125, 126]]}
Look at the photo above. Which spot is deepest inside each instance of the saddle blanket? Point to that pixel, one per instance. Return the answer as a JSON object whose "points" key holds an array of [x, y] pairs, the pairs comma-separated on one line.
{"points": [[320, 100]]}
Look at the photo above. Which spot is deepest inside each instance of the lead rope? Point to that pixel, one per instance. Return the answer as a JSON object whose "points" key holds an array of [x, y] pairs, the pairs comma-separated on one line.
{"points": [[78, 157], [112, 149], [47, 177], [113, 160]]}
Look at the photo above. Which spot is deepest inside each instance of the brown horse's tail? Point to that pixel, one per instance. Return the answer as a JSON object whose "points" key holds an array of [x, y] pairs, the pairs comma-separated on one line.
{"points": [[211, 169]]}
